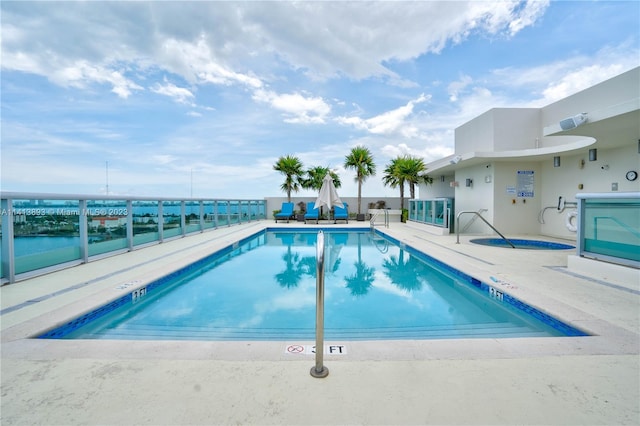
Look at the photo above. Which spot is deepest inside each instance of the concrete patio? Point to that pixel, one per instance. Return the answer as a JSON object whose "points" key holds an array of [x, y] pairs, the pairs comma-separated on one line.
{"points": [[561, 381]]}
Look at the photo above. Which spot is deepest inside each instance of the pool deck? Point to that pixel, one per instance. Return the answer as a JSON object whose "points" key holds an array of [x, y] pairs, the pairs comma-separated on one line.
{"points": [[538, 381]]}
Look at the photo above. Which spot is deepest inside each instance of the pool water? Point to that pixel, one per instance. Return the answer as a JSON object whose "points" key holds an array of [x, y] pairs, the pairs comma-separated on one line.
{"points": [[522, 244], [264, 289]]}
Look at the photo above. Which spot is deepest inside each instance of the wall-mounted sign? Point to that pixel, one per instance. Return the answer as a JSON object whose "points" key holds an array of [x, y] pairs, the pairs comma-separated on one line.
{"points": [[525, 183]]}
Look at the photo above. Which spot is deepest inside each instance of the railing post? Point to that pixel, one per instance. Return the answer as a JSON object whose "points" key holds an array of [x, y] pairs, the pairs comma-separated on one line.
{"points": [[319, 370], [130, 224], [8, 253], [83, 230]]}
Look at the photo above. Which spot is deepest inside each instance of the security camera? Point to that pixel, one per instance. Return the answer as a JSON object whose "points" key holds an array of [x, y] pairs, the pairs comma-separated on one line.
{"points": [[605, 167]]}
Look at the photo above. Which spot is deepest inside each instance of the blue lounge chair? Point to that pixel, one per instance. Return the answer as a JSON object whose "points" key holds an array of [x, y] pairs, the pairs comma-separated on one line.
{"points": [[285, 213], [341, 213], [312, 213]]}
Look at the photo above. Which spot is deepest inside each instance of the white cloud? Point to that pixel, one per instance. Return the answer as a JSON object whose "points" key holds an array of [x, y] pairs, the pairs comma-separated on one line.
{"points": [[82, 74], [390, 122], [179, 94], [196, 62], [296, 107], [456, 86]]}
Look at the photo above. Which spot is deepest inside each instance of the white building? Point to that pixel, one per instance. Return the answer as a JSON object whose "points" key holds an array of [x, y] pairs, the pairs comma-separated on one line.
{"points": [[512, 165], [507, 154]]}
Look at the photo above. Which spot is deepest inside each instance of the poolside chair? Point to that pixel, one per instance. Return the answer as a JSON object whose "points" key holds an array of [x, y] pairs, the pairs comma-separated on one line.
{"points": [[285, 213], [341, 213], [312, 213]]}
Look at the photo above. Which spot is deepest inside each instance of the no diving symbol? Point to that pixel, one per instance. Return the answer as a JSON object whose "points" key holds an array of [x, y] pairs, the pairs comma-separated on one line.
{"points": [[311, 349], [295, 349]]}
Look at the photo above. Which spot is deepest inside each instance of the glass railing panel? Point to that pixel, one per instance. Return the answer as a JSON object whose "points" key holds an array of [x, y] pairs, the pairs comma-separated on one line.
{"points": [[433, 211], [222, 213], [46, 233], [611, 227], [245, 211], [209, 215], [439, 207], [171, 219], [428, 213], [145, 222], [262, 209], [234, 208], [420, 211], [106, 226], [192, 216]]}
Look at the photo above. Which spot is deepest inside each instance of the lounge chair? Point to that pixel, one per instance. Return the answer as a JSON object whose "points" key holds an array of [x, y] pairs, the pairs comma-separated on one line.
{"points": [[312, 213], [285, 213], [341, 213]]}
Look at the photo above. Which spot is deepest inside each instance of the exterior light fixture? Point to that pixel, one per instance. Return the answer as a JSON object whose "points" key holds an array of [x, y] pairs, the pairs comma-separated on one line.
{"points": [[593, 154], [556, 161], [468, 182]]}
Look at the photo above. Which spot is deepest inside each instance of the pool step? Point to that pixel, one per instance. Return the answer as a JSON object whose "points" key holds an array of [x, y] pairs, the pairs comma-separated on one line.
{"points": [[144, 332]]}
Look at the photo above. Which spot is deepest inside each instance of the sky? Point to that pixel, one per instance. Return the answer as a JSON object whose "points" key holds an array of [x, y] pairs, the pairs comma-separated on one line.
{"points": [[201, 98]]}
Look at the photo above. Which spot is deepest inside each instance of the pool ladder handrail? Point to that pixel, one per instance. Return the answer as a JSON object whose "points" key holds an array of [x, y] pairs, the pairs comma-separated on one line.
{"points": [[484, 220], [319, 370], [372, 221]]}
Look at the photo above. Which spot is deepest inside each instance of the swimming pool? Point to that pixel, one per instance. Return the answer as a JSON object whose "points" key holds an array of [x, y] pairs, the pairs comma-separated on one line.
{"points": [[263, 288], [522, 244]]}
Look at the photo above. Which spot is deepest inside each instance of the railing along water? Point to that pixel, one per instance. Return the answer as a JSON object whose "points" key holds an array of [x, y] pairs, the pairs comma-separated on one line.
{"points": [[484, 220], [319, 370], [45, 232]]}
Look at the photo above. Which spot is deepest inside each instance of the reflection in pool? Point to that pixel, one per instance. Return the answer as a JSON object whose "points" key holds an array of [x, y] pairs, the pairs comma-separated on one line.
{"points": [[264, 289]]}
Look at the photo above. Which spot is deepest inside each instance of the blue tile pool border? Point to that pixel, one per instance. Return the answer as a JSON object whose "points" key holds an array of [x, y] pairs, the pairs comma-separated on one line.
{"points": [[62, 330]]}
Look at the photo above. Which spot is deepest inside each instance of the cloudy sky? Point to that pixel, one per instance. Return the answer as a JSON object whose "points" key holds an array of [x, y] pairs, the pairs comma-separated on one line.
{"points": [[201, 98]]}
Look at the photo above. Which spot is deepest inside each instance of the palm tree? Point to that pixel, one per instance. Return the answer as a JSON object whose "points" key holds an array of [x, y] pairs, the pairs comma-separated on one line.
{"points": [[393, 177], [406, 169], [291, 167], [315, 175], [361, 160], [413, 169]]}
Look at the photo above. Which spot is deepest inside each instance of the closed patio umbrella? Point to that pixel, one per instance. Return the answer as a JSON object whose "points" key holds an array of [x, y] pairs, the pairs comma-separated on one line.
{"points": [[328, 195]]}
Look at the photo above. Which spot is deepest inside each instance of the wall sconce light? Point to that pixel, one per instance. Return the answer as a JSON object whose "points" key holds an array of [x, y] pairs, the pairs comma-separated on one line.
{"points": [[593, 154], [468, 182], [556, 161], [442, 178]]}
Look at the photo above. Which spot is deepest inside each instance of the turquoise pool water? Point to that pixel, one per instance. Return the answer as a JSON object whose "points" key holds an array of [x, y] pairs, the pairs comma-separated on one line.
{"points": [[522, 244], [263, 288]]}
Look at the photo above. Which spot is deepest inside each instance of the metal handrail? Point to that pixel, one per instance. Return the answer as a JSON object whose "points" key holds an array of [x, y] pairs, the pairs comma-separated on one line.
{"points": [[375, 216], [319, 370], [484, 220]]}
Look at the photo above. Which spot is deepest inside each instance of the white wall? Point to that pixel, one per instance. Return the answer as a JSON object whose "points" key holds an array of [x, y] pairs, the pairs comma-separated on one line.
{"points": [[438, 189], [478, 196], [475, 135], [516, 129], [516, 214], [500, 129], [577, 170]]}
